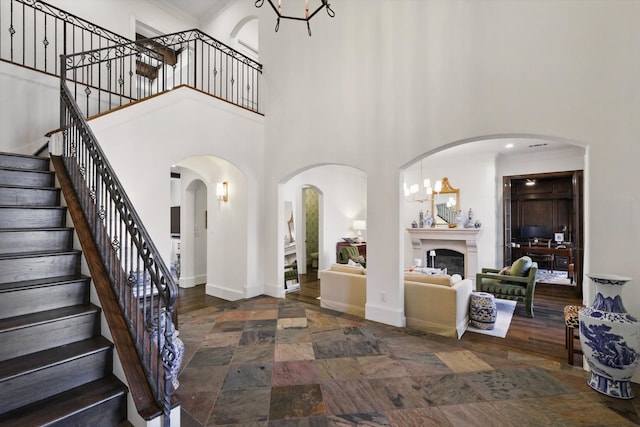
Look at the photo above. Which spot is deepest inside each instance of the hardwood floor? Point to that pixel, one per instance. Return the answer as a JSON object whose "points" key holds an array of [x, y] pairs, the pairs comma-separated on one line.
{"points": [[542, 335], [309, 289]]}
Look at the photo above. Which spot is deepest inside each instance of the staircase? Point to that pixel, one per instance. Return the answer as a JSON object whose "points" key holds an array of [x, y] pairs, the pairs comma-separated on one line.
{"points": [[55, 367]]}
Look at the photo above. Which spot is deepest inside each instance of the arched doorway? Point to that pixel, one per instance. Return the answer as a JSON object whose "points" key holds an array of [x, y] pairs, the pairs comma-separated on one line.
{"points": [[326, 200], [480, 180]]}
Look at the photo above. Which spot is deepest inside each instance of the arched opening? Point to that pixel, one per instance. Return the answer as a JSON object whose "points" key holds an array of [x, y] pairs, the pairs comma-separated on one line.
{"points": [[325, 200], [214, 246], [479, 168], [246, 37]]}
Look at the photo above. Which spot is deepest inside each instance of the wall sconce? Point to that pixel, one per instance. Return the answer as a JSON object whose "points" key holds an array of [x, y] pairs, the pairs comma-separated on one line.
{"points": [[222, 191]]}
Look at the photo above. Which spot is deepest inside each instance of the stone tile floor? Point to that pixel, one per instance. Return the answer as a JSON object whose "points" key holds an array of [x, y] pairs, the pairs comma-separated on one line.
{"points": [[271, 362]]}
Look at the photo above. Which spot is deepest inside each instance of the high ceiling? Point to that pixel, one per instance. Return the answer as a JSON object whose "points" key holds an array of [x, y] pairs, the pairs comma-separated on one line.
{"points": [[204, 10], [198, 10]]}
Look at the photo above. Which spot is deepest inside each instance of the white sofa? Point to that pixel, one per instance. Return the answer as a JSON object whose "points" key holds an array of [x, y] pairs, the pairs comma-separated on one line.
{"points": [[437, 303], [343, 288]]}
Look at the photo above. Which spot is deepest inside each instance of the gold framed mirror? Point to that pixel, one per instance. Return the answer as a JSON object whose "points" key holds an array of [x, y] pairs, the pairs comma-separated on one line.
{"points": [[445, 204]]}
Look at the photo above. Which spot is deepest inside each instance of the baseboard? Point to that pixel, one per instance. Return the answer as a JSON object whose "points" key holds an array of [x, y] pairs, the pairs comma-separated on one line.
{"points": [[187, 282], [385, 315], [223, 293]]}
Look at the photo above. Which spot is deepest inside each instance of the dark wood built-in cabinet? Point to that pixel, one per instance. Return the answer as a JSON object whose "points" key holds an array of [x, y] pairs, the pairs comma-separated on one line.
{"points": [[539, 206]]}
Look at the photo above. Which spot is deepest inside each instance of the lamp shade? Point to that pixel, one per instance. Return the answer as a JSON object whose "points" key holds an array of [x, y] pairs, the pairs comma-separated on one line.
{"points": [[359, 225]]}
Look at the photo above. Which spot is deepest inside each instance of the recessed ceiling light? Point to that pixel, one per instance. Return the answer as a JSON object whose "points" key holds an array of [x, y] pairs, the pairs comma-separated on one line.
{"points": [[508, 145]]}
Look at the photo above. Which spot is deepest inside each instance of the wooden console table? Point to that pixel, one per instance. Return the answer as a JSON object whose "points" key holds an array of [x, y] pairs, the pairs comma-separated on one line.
{"points": [[562, 257]]}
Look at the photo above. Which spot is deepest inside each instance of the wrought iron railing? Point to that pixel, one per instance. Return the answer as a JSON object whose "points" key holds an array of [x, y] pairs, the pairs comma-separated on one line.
{"points": [[102, 79], [34, 34], [109, 70], [145, 289], [101, 70]]}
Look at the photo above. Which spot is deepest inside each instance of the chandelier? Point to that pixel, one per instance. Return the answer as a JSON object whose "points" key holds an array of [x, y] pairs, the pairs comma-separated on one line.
{"points": [[413, 192], [307, 13]]}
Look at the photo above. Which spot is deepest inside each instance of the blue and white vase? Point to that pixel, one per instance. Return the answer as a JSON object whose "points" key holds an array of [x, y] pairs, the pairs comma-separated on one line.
{"points": [[610, 338]]}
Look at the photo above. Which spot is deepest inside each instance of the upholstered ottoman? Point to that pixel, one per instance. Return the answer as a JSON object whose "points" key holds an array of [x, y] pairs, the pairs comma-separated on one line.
{"points": [[482, 310]]}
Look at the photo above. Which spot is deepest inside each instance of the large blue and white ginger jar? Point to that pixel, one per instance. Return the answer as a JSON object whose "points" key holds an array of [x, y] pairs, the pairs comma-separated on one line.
{"points": [[610, 338]]}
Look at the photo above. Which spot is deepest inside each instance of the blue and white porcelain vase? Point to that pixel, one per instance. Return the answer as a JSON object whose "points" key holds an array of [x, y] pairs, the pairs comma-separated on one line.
{"points": [[610, 338]]}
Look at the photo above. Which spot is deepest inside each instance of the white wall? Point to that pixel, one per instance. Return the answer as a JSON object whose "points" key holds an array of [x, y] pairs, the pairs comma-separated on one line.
{"points": [[144, 140], [343, 192], [29, 108], [475, 176], [120, 16], [380, 85]]}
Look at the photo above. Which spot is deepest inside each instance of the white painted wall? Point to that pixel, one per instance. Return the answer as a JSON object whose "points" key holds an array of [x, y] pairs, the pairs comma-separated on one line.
{"points": [[382, 84], [29, 108], [144, 140], [120, 16], [343, 192]]}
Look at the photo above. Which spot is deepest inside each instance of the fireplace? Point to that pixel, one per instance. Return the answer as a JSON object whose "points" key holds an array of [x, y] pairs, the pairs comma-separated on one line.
{"points": [[457, 242], [452, 260]]}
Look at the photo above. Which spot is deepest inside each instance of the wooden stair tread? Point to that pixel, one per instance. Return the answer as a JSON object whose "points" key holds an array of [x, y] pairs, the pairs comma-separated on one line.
{"points": [[38, 254], [9, 168], [29, 187], [27, 320], [26, 230], [41, 283], [56, 207], [58, 407], [25, 156], [40, 360]]}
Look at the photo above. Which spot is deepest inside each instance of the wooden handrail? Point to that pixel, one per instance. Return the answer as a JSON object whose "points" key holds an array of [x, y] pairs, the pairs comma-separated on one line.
{"points": [[137, 381]]}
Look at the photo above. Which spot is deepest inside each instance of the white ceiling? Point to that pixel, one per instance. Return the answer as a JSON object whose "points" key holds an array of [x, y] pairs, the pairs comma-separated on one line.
{"points": [[198, 10], [203, 11]]}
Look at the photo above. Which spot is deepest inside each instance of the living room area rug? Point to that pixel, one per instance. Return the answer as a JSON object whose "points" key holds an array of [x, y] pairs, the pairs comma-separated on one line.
{"points": [[503, 319], [554, 277]]}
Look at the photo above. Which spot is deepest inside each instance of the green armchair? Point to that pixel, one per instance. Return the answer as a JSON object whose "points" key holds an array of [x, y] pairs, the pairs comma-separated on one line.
{"points": [[346, 253], [517, 282]]}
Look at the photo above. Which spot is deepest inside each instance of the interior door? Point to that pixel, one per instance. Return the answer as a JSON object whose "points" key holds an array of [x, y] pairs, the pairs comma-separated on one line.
{"points": [[506, 204]]}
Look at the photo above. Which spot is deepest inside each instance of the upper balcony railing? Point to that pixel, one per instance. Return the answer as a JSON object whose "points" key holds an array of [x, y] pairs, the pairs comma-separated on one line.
{"points": [[106, 70], [106, 78], [34, 34]]}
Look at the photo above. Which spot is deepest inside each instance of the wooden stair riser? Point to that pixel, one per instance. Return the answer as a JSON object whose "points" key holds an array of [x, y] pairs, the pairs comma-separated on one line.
{"points": [[26, 178], [107, 413], [18, 301], [23, 196], [56, 378], [22, 267], [17, 161], [21, 241], [97, 404], [32, 217], [43, 336]]}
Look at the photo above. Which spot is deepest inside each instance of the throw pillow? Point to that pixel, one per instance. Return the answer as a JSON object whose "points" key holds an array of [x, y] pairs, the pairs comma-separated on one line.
{"points": [[506, 271], [358, 260], [521, 266]]}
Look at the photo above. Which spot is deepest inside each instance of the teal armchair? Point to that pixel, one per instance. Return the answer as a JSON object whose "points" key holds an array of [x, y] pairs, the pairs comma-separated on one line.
{"points": [[517, 282]]}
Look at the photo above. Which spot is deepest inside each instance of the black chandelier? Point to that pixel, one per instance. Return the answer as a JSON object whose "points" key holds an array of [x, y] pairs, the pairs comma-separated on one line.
{"points": [[307, 16]]}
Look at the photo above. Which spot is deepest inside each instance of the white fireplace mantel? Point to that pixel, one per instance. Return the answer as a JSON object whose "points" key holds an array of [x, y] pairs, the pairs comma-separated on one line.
{"points": [[463, 240]]}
